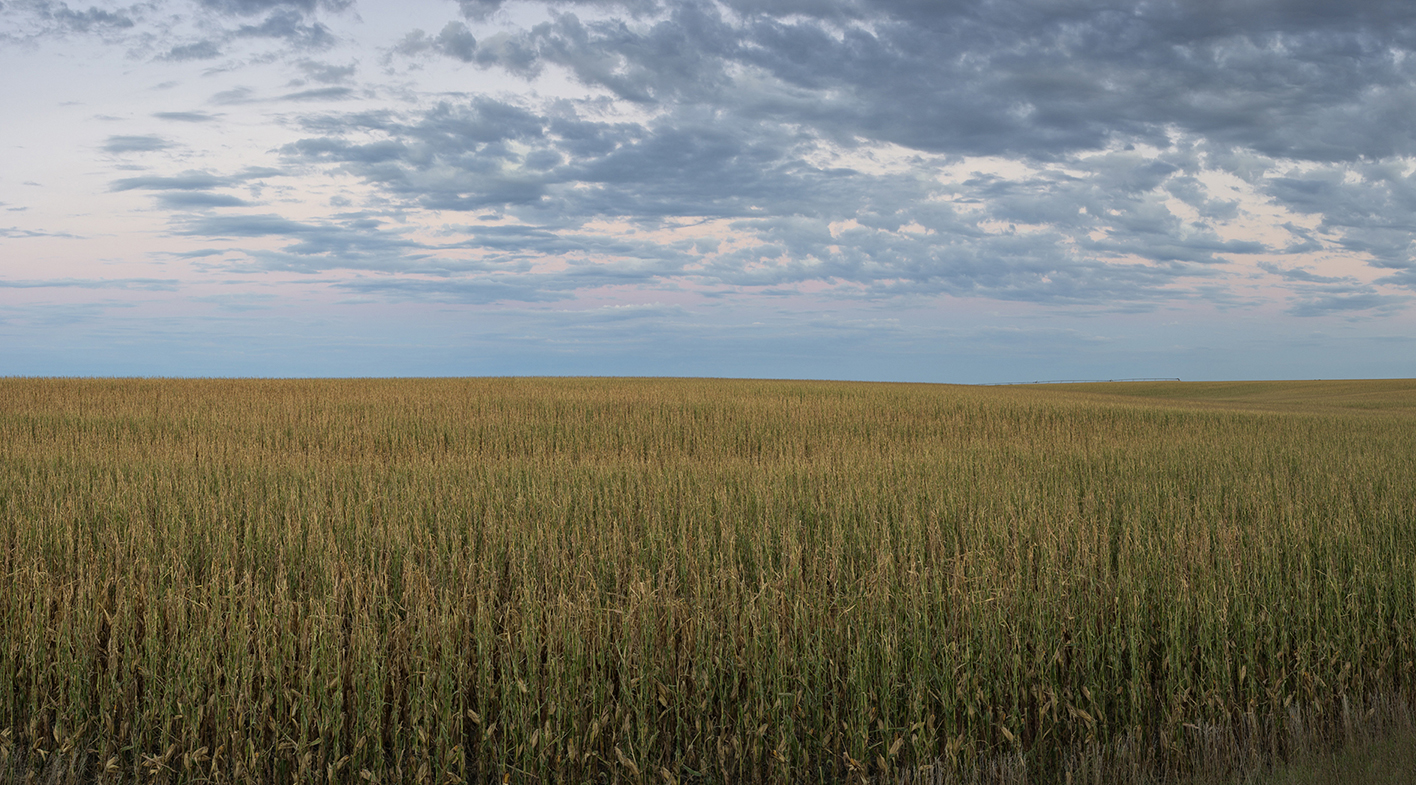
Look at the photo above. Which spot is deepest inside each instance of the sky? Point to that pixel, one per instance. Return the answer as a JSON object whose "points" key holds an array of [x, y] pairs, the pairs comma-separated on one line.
{"points": [[953, 191]]}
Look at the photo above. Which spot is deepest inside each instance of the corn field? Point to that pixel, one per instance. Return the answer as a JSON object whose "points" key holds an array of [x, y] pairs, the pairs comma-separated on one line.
{"points": [[695, 581]]}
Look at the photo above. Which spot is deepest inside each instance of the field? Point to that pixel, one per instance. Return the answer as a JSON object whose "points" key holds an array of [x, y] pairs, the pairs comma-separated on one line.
{"points": [[574, 580]]}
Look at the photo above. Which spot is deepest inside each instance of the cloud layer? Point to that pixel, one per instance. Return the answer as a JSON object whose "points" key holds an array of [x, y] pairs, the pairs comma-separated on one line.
{"points": [[1075, 158]]}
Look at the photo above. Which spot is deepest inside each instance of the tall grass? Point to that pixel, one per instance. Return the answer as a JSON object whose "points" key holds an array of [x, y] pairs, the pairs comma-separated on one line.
{"points": [[694, 581]]}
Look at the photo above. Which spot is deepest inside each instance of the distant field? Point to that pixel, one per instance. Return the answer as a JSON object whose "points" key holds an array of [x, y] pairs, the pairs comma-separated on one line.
{"points": [[1397, 396], [577, 580]]}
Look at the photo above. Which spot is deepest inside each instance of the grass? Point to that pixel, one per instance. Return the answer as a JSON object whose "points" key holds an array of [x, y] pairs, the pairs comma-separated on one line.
{"points": [[1389, 760], [596, 580]]}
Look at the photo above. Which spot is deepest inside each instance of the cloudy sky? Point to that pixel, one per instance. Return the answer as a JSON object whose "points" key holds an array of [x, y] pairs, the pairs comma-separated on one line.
{"points": [[915, 190]]}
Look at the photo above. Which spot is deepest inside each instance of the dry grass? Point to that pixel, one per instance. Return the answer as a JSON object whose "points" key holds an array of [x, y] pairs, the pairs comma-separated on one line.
{"points": [[1383, 754], [696, 581]]}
